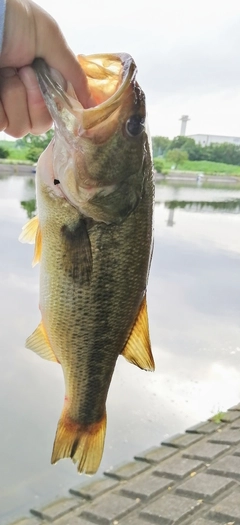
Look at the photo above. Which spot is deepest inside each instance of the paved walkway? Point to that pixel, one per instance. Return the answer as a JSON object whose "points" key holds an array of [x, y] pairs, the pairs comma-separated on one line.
{"points": [[193, 478]]}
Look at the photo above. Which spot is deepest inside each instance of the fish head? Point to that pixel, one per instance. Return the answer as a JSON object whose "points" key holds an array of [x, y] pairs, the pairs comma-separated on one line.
{"points": [[100, 152]]}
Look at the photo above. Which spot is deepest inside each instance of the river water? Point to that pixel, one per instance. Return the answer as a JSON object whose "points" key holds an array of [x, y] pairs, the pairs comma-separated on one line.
{"points": [[194, 314]]}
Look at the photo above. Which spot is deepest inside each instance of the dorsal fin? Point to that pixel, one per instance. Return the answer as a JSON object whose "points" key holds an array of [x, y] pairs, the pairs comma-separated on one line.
{"points": [[138, 347], [38, 342]]}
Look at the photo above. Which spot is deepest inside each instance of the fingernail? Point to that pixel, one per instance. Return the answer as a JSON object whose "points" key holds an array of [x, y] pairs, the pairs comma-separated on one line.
{"points": [[8, 72], [28, 77]]}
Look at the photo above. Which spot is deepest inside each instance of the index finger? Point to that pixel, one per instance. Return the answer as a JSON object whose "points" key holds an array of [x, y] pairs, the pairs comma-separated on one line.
{"points": [[54, 49]]}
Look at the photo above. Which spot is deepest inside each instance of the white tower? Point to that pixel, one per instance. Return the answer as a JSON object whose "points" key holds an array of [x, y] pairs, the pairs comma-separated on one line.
{"points": [[184, 119]]}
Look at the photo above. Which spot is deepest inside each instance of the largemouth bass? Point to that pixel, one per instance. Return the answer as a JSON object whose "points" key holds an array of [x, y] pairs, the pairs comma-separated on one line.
{"points": [[93, 239]]}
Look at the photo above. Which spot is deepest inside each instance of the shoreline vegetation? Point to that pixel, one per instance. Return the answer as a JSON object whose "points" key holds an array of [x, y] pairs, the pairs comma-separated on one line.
{"points": [[182, 154], [171, 159]]}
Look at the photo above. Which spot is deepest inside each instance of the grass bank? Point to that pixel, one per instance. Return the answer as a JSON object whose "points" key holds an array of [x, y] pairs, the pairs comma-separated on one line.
{"points": [[200, 166], [16, 155]]}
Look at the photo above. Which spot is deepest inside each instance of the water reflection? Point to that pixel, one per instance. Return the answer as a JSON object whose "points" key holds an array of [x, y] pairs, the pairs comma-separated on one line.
{"points": [[193, 303], [30, 207], [170, 221], [230, 206], [227, 206]]}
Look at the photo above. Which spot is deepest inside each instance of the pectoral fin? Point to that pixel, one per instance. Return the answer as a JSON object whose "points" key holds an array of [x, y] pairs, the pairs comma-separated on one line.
{"points": [[78, 253], [29, 231], [31, 234], [38, 342], [138, 347], [38, 247]]}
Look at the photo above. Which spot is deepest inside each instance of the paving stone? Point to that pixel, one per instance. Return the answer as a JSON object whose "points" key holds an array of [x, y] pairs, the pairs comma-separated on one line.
{"points": [[228, 509], [182, 440], [155, 454], [137, 521], [230, 416], [228, 466], [68, 520], [146, 487], [229, 437], [206, 427], [112, 507], [236, 424], [95, 489], [26, 521], [170, 509], [204, 486], [205, 451], [236, 407], [128, 470], [202, 521], [177, 468], [57, 509]]}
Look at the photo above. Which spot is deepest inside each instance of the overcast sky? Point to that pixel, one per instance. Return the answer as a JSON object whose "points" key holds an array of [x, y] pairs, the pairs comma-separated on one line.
{"points": [[187, 53]]}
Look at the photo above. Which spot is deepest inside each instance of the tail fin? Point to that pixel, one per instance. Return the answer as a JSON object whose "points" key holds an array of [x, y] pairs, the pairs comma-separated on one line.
{"points": [[83, 443]]}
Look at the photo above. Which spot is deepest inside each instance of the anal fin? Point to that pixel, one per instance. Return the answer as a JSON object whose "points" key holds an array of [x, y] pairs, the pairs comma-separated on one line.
{"points": [[38, 342], [138, 347], [83, 443]]}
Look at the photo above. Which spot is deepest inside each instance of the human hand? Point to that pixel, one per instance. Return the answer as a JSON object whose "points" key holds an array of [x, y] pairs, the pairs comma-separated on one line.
{"points": [[30, 32]]}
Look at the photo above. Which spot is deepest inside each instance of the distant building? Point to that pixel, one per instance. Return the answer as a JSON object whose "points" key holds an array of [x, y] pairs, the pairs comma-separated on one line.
{"points": [[205, 140]]}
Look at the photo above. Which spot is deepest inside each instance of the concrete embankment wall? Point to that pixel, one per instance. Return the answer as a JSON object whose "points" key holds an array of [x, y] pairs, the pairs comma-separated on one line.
{"points": [[194, 177], [16, 168]]}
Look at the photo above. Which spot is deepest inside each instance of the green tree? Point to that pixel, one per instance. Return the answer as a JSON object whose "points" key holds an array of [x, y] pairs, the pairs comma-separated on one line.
{"points": [[177, 156], [38, 141], [226, 152], [158, 165], [160, 145], [178, 142], [194, 151], [33, 153], [4, 153], [35, 144]]}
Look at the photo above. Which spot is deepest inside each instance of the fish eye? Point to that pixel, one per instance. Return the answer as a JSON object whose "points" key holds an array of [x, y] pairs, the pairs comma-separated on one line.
{"points": [[135, 125]]}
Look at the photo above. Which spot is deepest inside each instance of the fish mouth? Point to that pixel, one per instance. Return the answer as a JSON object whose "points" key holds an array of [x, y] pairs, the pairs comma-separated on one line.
{"points": [[108, 75]]}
